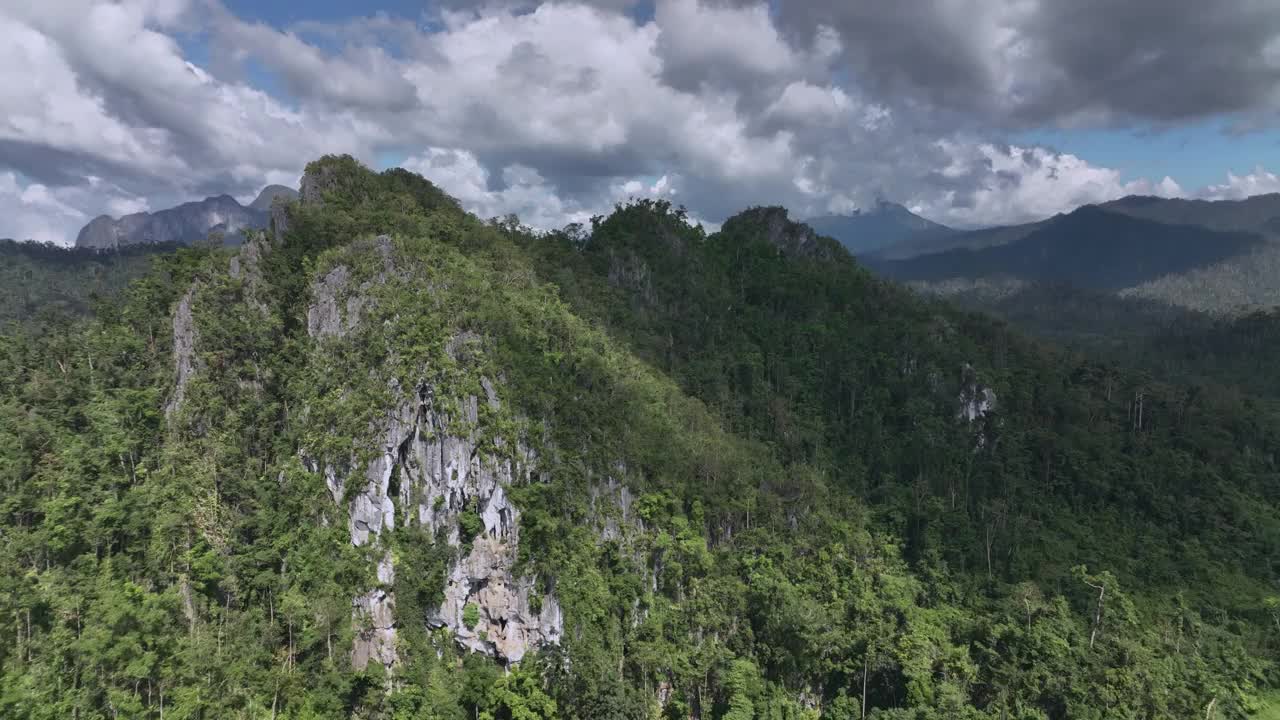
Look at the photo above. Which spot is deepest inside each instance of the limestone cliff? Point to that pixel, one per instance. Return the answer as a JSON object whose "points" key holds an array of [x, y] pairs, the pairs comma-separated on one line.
{"points": [[428, 470]]}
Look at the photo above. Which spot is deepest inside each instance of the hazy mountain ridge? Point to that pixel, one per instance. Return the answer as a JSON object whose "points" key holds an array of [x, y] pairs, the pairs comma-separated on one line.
{"points": [[1220, 257], [270, 194], [884, 225], [1259, 213], [1090, 248], [184, 224]]}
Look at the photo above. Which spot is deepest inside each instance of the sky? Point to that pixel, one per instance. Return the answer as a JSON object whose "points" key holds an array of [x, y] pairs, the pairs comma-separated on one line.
{"points": [[969, 112]]}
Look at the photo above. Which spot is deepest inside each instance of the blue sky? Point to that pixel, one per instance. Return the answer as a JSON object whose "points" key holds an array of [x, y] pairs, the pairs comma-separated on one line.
{"points": [[556, 111], [1195, 155], [283, 13]]}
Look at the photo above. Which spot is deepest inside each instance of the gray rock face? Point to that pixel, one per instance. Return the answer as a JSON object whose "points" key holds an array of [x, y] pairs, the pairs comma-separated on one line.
{"points": [[976, 400], [429, 473], [439, 475], [184, 351], [324, 318], [337, 307], [315, 183], [185, 224]]}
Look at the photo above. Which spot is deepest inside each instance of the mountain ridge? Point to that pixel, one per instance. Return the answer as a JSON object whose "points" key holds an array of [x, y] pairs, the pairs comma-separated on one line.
{"points": [[883, 225], [1258, 213], [183, 224]]}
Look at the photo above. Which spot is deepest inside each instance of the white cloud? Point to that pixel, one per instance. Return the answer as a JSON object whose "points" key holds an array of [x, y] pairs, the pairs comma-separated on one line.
{"points": [[33, 211], [554, 113], [1011, 184], [364, 77], [524, 192], [99, 88], [1238, 187], [701, 39]]}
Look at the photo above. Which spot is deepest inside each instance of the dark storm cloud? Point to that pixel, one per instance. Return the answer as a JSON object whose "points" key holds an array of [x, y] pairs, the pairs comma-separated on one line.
{"points": [[1163, 60], [1025, 62]]}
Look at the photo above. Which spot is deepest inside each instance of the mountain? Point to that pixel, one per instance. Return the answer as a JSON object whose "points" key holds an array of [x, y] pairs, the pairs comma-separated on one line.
{"points": [[388, 460], [884, 225], [185, 224], [1221, 274], [1260, 213], [269, 194], [1089, 248], [933, 243]]}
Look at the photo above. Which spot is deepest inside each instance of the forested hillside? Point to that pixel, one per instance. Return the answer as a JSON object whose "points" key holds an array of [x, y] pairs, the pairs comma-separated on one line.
{"points": [[37, 280], [388, 461], [1089, 248]]}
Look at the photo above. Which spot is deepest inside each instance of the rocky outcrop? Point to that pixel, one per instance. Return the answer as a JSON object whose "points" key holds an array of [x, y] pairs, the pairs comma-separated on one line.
{"points": [[246, 266], [976, 400], [430, 475], [319, 178], [279, 222], [336, 307], [185, 224], [184, 351], [977, 403], [429, 470], [791, 238]]}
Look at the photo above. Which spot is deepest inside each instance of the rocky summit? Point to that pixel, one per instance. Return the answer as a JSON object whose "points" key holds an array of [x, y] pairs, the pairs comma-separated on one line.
{"points": [[185, 224]]}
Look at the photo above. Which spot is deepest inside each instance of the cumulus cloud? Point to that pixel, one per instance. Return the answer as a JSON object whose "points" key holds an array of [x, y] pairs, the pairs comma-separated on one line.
{"points": [[1004, 185], [557, 110], [1238, 187], [523, 192], [33, 211], [361, 77], [94, 88]]}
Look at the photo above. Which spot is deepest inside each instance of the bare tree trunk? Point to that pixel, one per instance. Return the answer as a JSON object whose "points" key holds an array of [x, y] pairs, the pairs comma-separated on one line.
{"points": [[1097, 617], [865, 661]]}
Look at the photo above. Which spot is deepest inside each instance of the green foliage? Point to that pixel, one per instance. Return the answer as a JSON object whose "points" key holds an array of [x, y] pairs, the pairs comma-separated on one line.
{"points": [[470, 615], [809, 528], [38, 281]]}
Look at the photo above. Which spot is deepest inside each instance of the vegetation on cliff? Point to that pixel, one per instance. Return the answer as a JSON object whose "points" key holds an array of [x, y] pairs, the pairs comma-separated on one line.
{"points": [[841, 501]]}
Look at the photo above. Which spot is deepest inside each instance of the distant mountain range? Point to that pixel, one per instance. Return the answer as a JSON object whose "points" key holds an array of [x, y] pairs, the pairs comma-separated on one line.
{"points": [[1221, 257], [1090, 248], [185, 224], [885, 225]]}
